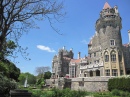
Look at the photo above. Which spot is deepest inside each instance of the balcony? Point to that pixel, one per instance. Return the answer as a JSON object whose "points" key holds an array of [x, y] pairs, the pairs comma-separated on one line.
{"points": [[83, 67]]}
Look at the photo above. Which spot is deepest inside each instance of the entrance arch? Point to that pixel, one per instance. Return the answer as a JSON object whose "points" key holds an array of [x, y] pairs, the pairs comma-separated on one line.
{"points": [[91, 73], [85, 74], [97, 72]]}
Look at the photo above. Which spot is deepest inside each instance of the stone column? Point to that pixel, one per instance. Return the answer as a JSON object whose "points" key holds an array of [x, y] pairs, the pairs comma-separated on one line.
{"points": [[117, 63], [88, 74], [94, 73], [110, 64]]}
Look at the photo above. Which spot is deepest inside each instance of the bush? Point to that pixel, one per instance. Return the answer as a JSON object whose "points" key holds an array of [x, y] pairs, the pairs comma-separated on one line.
{"points": [[58, 93], [115, 92], [119, 84], [6, 85]]}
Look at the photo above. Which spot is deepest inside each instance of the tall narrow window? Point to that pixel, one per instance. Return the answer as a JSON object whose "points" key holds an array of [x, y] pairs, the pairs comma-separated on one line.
{"points": [[106, 58], [107, 72], [72, 71], [113, 56], [112, 42], [114, 72], [90, 55], [94, 54]]}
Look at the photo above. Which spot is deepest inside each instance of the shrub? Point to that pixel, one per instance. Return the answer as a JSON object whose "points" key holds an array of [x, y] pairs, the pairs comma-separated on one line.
{"points": [[6, 85], [119, 83], [115, 92]]}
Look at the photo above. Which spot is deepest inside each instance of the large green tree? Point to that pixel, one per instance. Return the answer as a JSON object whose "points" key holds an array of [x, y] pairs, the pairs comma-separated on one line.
{"points": [[31, 79], [18, 16], [47, 75], [9, 69]]}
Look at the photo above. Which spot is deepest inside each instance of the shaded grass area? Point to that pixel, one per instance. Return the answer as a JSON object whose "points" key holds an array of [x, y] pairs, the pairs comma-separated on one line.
{"points": [[58, 93], [54, 92], [113, 93]]}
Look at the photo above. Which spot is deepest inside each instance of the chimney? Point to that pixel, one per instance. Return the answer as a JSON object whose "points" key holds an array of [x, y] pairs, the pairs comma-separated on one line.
{"points": [[129, 36], [78, 55]]}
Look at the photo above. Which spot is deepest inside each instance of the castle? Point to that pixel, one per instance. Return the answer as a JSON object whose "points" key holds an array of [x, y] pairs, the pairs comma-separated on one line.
{"points": [[107, 56]]}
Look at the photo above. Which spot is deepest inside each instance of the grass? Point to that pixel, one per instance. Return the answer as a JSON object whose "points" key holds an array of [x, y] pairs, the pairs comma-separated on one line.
{"points": [[72, 93]]}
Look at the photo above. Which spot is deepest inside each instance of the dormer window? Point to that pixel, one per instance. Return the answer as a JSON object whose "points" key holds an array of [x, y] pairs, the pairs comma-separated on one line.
{"points": [[112, 42]]}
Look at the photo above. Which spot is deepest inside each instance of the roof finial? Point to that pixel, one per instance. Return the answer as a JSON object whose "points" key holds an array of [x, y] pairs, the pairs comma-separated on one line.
{"points": [[106, 5]]}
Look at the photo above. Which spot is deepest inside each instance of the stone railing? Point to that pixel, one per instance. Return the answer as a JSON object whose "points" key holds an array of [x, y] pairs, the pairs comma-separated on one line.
{"points": [[91, 66]]}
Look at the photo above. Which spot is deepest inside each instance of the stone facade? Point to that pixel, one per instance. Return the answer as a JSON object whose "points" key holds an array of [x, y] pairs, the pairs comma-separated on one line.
{"points": [[106, 54], [107, 57]]}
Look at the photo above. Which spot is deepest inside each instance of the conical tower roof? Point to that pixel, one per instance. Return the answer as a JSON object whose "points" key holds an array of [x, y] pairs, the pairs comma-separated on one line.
{"points": [[106, 5]]}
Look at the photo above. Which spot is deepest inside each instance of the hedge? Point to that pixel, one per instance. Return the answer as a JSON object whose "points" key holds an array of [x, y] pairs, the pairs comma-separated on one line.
{"points": [[119, 83]]}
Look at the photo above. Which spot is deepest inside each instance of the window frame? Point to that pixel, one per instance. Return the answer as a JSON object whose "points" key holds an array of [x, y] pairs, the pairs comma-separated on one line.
{"points": [[114, 72], [112, 42], [107, 72], [113, 57]]}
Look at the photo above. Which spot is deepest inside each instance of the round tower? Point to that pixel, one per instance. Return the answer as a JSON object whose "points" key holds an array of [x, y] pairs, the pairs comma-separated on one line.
{"points": [[108, 27]]}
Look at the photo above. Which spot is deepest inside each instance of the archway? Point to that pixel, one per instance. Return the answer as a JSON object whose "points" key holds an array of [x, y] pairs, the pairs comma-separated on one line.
{"points": [[128, 72], [91, 73], [85, 74], [97, 72]]}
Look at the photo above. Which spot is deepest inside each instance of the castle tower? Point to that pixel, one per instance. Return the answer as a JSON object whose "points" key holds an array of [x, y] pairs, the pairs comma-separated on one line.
{"points": [[106, 45]]}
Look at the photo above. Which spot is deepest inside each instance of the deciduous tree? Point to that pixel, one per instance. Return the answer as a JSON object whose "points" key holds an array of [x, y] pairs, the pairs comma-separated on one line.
{"points": [[41, 70], [18, 16]]}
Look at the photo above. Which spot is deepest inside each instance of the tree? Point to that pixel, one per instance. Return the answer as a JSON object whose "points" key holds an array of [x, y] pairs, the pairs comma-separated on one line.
{"points": [[41, 70], [31, 79], [18, 16], [47, 75], [9, 69]]}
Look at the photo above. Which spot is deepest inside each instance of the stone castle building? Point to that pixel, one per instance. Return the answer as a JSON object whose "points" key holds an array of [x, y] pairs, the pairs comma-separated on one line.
{"points": [[107, 56]]}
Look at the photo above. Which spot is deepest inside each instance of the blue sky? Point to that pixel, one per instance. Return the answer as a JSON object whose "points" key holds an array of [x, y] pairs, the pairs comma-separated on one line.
{"points": [[77, 28]]}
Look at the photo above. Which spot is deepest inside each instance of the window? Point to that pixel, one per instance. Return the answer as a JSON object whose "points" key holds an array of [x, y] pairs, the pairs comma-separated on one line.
{"points": [[114, 72], [112, 42], [72, 71], [107, 72], [120, 58], [121, 72], [95, 62], [90, 55], [59, 68], [94, 54], [106, 58], [113, 57]]}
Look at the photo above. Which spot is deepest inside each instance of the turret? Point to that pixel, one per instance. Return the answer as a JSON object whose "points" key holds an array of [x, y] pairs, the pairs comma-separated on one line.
{"points": [[108, 17], [108, 28]]}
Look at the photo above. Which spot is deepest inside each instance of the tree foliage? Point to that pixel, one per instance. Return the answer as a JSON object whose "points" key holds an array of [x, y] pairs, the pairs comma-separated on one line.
{"points": [[119, 83], [6, 85], [41, 70], [18, 16], [9, 69], [31, 79], [47, 75]]}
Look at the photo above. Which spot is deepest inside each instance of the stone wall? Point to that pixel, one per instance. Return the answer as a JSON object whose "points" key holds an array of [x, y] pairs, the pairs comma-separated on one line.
{"points": [[90, 84]]}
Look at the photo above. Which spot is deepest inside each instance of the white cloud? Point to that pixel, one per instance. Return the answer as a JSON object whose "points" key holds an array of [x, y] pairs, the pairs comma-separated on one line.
{"points": [[84, 41], [45, 48]]}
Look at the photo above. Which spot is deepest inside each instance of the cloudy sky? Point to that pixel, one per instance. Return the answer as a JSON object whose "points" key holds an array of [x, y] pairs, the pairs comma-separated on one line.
{"points": [[77, 28]]}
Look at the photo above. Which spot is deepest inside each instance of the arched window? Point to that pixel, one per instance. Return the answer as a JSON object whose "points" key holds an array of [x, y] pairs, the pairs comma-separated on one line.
{"points": [[113, 56], [97, 72], [106, 56], [91, 73]]}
